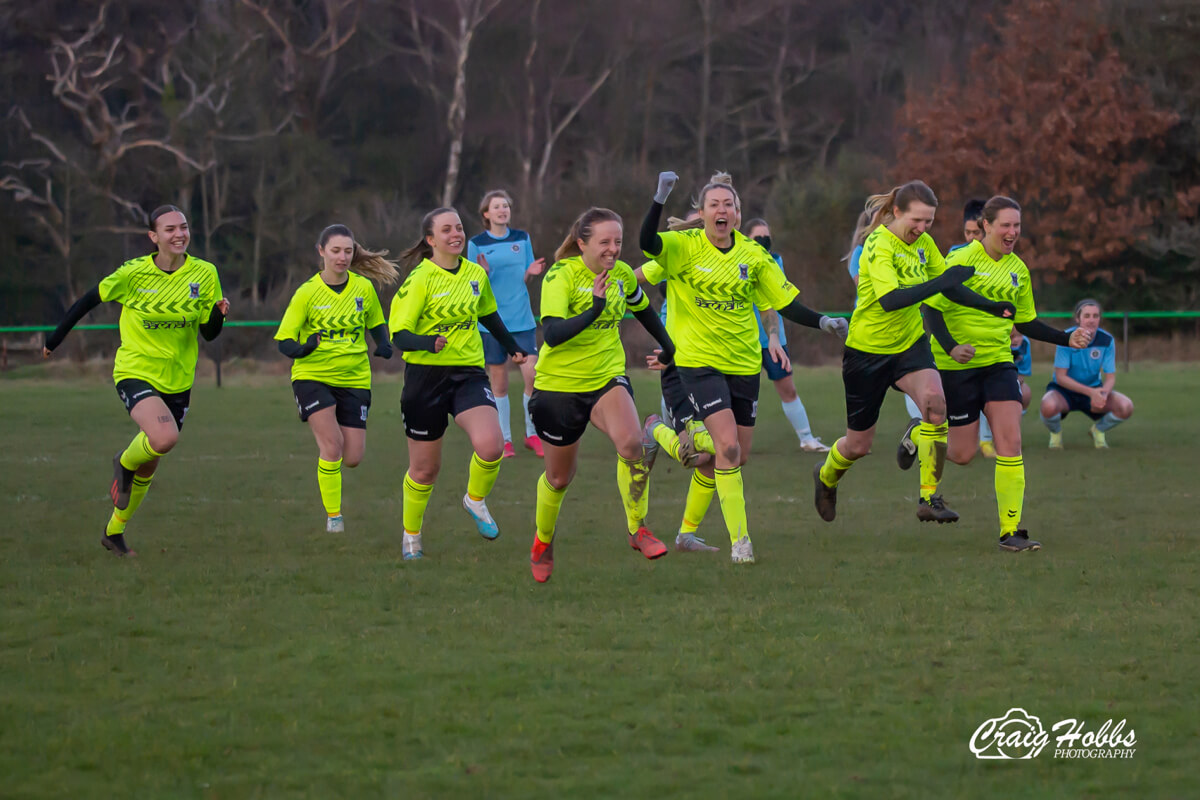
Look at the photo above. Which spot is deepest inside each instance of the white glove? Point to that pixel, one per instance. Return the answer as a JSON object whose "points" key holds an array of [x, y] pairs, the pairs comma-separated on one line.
{"points": [[835, 325], [666, 182]]}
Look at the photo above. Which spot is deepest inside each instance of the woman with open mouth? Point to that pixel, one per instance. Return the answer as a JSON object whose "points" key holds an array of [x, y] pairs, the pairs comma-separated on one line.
{"points": [[434, 321], [973, 352], [166, 298], [715, 276]]}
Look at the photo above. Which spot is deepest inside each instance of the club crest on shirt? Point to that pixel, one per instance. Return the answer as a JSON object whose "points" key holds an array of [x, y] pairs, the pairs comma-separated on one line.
{"points": [[1016, 281], [921, 254], [358, 304], [475, 288], [516, 248], [744, 271], [194, 291], [1095, 352]]}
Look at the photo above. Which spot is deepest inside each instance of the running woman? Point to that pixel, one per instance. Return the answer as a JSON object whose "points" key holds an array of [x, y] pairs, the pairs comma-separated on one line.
{"points": [[776, 359], [715, 276], [906, 450], [888, 347], [581, 378], [324, 331], [973, 352], [1084, 381], [434, 321], [165, 297], [506, 254]]}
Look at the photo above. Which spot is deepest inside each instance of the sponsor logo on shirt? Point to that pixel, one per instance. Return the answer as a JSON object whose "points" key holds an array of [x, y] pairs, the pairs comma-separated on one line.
{"points": [[442, 294], [721, 305], [603, 325], [164, 325], [194, 291], [465, 325]]}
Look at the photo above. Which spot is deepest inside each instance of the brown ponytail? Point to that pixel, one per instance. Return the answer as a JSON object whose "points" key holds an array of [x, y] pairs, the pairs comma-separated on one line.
{"points": [[371, 264], [423, 249], [582, 229]]}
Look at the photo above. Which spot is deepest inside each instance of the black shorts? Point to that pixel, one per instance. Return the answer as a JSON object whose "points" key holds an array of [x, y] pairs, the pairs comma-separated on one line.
{"points": [[775, 369], [560, 418], [969, 390], [134, 390], [711, 390], [868, 376], [433, 393], [1076, 401], [350, 405], [679, 407]]}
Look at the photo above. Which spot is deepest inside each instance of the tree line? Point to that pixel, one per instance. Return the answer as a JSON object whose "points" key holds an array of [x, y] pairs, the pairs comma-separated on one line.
{"points": [[268, 119]]}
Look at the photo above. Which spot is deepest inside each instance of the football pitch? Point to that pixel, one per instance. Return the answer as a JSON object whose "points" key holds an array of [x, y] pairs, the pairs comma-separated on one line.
{"points": [[247, 653]]}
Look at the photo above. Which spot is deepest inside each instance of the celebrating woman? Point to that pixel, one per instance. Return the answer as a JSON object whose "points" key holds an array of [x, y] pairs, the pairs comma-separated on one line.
{"points": [[324, 331], [581, 377], [715, 276], [434, 320], [165, 297]]}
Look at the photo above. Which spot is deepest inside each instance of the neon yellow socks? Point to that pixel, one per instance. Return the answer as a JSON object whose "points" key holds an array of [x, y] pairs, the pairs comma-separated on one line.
{"points": [[633, 482], [116, 523], [416, 498], [1010, 492], [482, 476], [835, 465], [931, 449], [549, 501], [329, 481], [139, 452], [731, 493], [668, 440], [699, 496]]}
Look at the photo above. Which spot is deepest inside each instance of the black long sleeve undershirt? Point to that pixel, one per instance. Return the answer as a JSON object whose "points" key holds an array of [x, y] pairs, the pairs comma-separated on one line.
{"points": [[897, 299], [966, 297], [653, 325], [76, 312], [936, 322], [648, 239], [383, 345], [556, 330], [801, 314], [408, 342], [496, 328], [1036, 329], [212, 328], [293, 349]]}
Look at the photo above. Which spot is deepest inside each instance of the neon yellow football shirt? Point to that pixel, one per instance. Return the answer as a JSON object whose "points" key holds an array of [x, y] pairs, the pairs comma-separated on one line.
{"points": [[887, 263], [433, 301], [160, 316], [595, 356], [712, 297], [1006, 280], [343, 320]]}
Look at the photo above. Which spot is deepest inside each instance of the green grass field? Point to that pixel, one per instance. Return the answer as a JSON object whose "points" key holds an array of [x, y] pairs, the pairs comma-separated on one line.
{"points": [[246, 653]]}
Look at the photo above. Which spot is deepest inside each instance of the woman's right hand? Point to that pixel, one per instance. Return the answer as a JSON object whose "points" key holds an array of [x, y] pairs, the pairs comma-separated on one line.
{"points": [[440, 343], [600, 285], [963, 353], [652, 361]]}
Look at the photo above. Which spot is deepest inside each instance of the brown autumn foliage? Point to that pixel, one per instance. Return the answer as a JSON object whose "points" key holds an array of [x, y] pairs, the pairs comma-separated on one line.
{"points": [[1050, 115]]}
